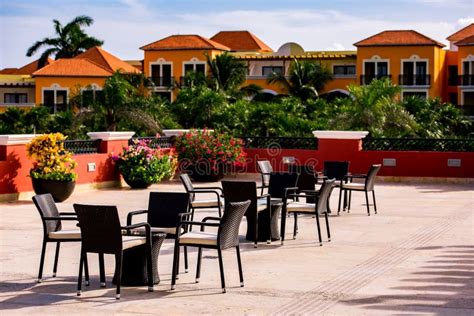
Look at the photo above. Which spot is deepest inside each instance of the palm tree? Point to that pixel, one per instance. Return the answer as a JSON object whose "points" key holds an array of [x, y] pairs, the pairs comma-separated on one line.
{"points": [[305, 79], [227, 72], [71, 40]]}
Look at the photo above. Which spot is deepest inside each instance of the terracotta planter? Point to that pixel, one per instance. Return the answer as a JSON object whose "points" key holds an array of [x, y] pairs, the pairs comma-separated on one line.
{"points": [[202, 173], [60, 190]]}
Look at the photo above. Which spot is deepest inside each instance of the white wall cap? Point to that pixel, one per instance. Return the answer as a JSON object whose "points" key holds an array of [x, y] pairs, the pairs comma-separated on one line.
{"points": [[16, 139], [176, 132], [110, 135], [340, 134]]}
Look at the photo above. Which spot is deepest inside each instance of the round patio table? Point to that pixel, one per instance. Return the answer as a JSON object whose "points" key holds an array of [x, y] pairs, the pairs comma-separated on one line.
{"points": [[268, 222], [134, 266]]}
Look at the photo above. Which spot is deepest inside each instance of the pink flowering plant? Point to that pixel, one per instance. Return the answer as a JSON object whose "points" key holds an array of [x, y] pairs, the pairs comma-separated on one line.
{"points": [[210, 148], [140, 162]]}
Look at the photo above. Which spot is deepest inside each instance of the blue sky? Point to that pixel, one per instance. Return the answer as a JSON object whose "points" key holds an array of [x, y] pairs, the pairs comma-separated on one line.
{"points": [[125, 25]]}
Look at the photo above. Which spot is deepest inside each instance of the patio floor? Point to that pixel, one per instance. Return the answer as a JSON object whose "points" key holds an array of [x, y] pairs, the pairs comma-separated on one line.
{"points": [[415, 257]]}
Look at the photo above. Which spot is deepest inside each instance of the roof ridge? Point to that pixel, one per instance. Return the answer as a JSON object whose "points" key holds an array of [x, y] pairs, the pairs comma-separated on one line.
{"points": [[459, 31], [429, 39]]}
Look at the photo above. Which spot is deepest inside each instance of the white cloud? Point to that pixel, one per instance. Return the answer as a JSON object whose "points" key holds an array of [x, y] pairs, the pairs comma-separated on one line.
{"points": [[465, 21]]}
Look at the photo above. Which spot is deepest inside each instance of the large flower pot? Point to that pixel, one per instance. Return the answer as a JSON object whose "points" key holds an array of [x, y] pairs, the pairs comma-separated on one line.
{"points": [[137, 184], [60, 190], [202, 173]]}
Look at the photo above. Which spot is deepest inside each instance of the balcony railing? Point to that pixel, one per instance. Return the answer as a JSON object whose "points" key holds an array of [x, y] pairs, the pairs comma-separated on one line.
{"points": [[466, 80], [414, 80], [281, 142], [418, 144], [79, 147], [367, 79], [166, 82]]}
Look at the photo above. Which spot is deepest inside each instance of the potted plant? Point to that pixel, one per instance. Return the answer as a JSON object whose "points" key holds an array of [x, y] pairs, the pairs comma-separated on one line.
{"points": [[208, 156], [53, 166], [141, 166]]}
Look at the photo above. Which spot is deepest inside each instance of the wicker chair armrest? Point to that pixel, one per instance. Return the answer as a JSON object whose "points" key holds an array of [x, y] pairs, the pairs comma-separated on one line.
{"points": [[208, 188], [263, 196], [133, 226], [353, 176], [202, 224], [205, 219], [55, 218], [133, 213], [67, 213], [304, 195]]}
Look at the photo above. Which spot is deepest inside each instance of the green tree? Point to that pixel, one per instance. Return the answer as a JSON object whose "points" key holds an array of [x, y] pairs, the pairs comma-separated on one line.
{"points": [[228, 73], [304, 80], [70, 40]]}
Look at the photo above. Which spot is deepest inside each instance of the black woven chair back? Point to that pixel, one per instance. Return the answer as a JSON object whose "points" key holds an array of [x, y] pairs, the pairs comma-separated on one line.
{"points": [[306, 179], [324, 192], [188, 184], [164, 208], [279, 181], [228, 233], [370, 181], [100, 228], [47, 208], [240, 191], [265, 168], [336, 169]]}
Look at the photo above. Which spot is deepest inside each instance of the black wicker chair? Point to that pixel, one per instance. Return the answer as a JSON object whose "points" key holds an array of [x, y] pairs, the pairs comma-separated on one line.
{"points": [[165, 211], [238, 191], [316, 209], [264, 167], [307, 179], [367, 186], [202, 203], [226, 237], [335, 170], [53, 232], [102, 234]]}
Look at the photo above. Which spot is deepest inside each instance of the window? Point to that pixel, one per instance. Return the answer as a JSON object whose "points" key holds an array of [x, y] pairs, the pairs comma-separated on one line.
{"points": [[374, 70], [453, 75], [344, 70], [55, 99], [453, 98], [197, 67], [163, 94], [161, 74], [268, 70], [468, 67], [418, 94], [16, 98], [414, 73], [90, 96]]}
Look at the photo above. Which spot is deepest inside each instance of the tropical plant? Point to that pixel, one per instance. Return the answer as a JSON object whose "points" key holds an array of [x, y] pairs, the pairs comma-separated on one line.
{"points": [[211, 149], [305, 79], [228, 73], [122, 105], [51, 160], [70, 40], [139, 162]]}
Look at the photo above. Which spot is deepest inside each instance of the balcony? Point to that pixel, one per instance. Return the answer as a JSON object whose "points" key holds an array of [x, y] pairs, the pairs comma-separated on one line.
{"points": [[163, 82], [367, 79], [414, 80], [466, 80]]}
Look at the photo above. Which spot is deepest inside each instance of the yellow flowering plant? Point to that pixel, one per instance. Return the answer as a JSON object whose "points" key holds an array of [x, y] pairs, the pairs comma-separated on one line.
{"points": [[51, 160]]}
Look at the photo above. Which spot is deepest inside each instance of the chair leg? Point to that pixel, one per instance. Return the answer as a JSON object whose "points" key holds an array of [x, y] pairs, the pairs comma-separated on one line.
{"points": [[319, 230], [56, 257], [327, 226], [256, 232], [43, 251], [175, 265], [239, 262], [220, 210], [102, 270], [118, 273], [185, 259], [198, 266], [339, 204], [283, 226], [375, 204], [192, 218], [295, 227], [221, 268], [367, 201], [149, 267], [79, 277], [350, 201], [86, 270]]}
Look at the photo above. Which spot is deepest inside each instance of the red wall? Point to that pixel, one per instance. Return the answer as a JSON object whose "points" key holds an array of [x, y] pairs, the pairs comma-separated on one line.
{"points": [[408, 163], [15, 167]]}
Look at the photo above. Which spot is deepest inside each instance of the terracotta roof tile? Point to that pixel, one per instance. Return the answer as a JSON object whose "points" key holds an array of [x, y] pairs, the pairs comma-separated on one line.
{"points": [[468, 41], [108, 61], [30, 68], [73, 67], [398, 38], [241, 41], [462, 33], [8, 71], [181, 42]]}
